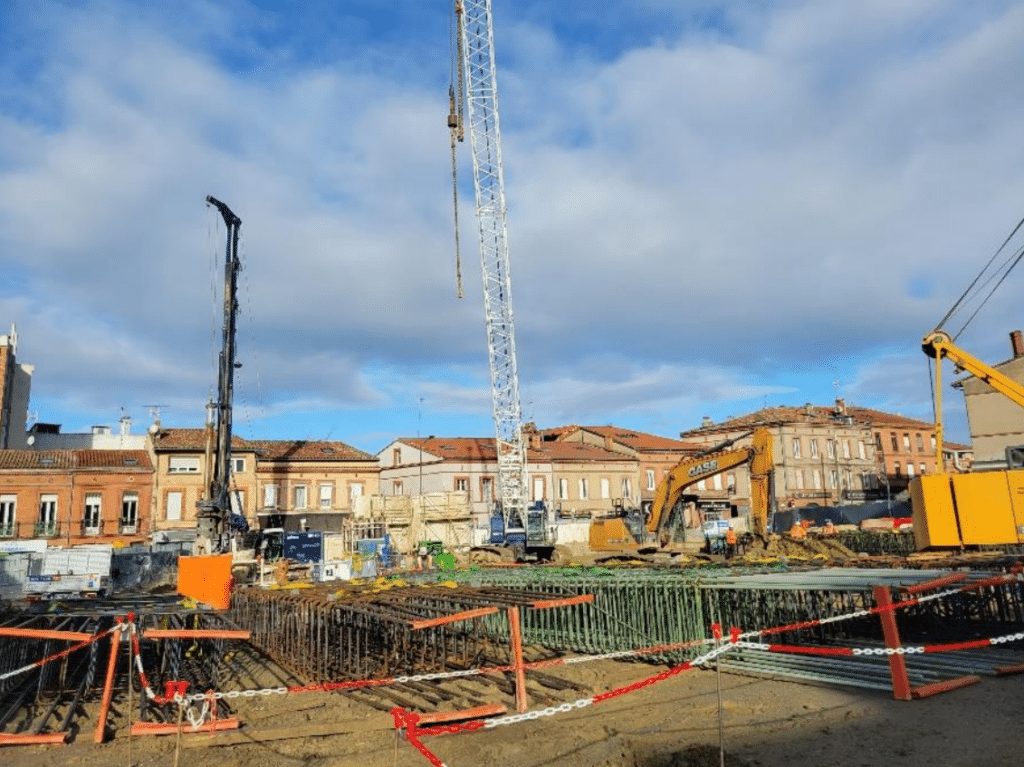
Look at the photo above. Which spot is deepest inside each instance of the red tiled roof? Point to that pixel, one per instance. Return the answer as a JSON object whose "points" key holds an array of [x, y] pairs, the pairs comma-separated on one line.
{"points": [[69, 460], [305, 450], [484, 449], [641, 441], [192, 439], [813, 414]]}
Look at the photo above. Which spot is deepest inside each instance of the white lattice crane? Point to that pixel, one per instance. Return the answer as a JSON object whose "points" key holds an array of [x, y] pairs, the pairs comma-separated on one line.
{"points": [[474, 40]]}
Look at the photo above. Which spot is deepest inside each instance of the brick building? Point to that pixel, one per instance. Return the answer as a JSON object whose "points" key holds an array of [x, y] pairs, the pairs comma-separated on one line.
{"points": [[312, 485], [76, 496]]}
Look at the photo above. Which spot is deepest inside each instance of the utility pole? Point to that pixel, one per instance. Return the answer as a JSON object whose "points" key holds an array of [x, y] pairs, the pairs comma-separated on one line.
{"points": [[214, 508]]}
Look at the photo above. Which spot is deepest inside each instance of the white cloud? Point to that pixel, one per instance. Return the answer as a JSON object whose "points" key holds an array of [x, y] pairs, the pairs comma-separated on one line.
{"points": [[747, 191]]}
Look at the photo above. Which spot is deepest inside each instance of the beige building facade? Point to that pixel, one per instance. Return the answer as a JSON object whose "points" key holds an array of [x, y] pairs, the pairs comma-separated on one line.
{"points": [[822, 456], [996, 422]]}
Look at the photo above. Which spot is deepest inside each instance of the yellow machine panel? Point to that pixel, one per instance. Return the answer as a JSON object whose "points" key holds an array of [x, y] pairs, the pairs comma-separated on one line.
{"points": [[931, 497], [984, 508], [611, 535]]}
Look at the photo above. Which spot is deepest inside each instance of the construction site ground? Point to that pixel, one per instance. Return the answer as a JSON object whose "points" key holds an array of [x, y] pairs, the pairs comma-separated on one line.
{"points": [[675, 722]]}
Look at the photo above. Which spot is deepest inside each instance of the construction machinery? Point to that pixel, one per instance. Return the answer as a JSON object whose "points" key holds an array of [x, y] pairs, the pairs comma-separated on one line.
{"points": [[513, 527], [214, 508], [628, 531], [975, 509]]}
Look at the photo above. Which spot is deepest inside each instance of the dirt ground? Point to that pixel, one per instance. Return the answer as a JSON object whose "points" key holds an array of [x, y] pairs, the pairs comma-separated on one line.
{"points": [[671, 724]]}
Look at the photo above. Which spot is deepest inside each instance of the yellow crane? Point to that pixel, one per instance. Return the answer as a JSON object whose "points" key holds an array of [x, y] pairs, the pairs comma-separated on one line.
{"points": [[974, 509]]}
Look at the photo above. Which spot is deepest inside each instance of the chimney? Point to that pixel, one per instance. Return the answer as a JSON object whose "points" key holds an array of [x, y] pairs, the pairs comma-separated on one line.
{"points": [[840, 406], [1017, 344], [608, 442], [535, 441], [706, 422]]}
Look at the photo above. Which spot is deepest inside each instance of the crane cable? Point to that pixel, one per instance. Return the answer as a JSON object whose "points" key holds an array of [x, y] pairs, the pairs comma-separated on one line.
{"points": [[970, 288], [455, 114]]}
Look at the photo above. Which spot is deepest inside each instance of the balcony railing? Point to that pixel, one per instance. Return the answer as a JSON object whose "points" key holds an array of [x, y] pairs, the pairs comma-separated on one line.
{"points": [[7, 529], [129, 528], [46, 530]]}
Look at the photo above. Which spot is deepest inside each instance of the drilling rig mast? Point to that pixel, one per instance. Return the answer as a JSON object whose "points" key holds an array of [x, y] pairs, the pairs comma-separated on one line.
{"points": [[215, 506], [475, 40]]}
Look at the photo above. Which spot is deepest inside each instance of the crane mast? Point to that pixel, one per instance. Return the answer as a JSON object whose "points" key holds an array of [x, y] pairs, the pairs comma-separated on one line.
{"points": [[476, 36]]}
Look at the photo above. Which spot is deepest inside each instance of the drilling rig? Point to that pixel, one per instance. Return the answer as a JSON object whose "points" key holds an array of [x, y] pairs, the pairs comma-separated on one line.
{"points": [[214, 508], [515, 529]]}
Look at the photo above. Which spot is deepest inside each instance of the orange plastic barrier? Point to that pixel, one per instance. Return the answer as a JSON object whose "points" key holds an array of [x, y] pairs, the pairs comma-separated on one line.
{"points": [[206, 579]]}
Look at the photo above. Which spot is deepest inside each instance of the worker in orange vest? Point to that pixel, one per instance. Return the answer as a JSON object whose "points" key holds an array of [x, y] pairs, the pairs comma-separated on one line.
{"points": [[730, 543]]}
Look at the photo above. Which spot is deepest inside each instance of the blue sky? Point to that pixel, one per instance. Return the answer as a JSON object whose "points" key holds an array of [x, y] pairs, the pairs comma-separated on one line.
{"points": [[712, 207]]}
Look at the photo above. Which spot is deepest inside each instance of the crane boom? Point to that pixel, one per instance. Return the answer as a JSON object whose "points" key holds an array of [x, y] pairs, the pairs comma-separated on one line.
{"points": [[477, 35]]}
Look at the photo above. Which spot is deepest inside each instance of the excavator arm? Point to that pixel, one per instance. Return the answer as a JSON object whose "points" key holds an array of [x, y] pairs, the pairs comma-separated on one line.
{"points": [[691, 470]]}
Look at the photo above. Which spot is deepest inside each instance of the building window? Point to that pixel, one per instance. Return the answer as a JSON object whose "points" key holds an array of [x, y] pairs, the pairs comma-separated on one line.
{"points": [[799, 479], [910, 469], [173, 506], [906, 443], [878, 440], [606, 487], [650, 479], [129, 512], [270, 496], [237, 502], [47, 515], [627, 487], [538, 488], [796, 447], [730, 482], [487, 488], [898, 470], [91, 521], [396, 487], [830, 448], [933, 443], [326, 496], [301, 496], [702, 485], [862, 451], [849, 479], [585, 488], [462, 484], [923, 468], [182, 465], [355, 490], [817, 480], [846, 448], [563, 489], [238, 465], [8, 506], [814, 448], [833, 476], [895, 442], [716, 482], [396, 456]]}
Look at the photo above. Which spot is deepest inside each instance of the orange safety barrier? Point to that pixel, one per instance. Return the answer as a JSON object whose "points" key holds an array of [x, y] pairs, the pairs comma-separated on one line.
{"points": [[445, 619], [160, 728], [45, 634], [467, 713], [567, 602], [13, 739], [108, 686], [195, 634], [206, 579]]}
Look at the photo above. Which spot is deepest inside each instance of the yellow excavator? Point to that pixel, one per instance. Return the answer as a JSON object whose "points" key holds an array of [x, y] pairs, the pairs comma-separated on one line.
{"points": [[976, 509], [628, 532]]}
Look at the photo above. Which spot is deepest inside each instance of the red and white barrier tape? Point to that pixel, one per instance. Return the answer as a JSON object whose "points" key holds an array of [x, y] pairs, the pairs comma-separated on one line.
{"points": [[62, 653]]}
